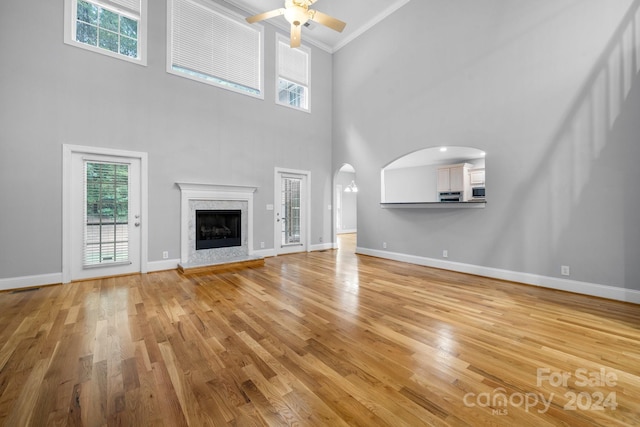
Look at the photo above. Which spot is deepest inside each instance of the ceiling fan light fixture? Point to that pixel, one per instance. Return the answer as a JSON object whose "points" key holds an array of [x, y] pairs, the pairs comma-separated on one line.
{"points": [[296, 15]]}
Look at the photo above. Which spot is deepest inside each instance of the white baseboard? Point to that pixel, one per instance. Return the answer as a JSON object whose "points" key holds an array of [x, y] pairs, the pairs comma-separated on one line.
{"points": [[585, 288], [165, 264], [267, 253], [56, 278], [264, 253], [321, 247], [30, 281]]}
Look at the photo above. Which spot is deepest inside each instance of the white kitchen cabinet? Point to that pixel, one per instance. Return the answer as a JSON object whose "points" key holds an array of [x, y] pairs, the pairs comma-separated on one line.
{"points": [[457, 178], [444, 180], [454, 178], [476, 176]]}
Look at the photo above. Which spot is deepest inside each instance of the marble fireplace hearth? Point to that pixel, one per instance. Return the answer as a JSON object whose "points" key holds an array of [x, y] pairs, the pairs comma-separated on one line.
{"points": [[211, 197]]}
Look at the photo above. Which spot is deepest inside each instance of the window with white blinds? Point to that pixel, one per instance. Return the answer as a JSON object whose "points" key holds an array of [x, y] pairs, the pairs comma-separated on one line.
{"points": [[133, 6], [115, 28], [291, 206], [211, 44], [293, 75], [106, 213]]}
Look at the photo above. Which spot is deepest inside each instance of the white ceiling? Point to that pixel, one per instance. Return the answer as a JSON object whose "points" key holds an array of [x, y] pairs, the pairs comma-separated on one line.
{"points": [[360, 15]]}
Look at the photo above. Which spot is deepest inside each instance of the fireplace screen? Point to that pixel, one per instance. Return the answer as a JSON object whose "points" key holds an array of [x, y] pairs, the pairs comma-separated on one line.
{"points": [[218, 229]]}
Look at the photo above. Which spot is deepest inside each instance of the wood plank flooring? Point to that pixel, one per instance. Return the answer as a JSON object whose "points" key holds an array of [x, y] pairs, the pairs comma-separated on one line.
{"points": [[319, 339]]}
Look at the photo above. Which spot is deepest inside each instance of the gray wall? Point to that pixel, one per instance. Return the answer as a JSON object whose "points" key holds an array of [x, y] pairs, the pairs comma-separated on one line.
{"points": [[54, 94], [549, 89]]}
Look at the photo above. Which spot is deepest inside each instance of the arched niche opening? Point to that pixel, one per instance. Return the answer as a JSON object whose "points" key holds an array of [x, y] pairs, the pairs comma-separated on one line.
{"points": [[443, 174]]}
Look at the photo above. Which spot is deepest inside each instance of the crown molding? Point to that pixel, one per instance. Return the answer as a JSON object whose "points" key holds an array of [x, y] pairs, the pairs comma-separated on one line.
{"points": [[310, 39], [369, 24]]}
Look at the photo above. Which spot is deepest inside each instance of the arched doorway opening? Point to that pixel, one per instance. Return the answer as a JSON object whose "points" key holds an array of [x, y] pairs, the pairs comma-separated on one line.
{"points": [[346, 204]]}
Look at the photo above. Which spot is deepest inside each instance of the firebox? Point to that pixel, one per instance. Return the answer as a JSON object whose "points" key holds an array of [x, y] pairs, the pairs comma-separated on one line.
{"points": [[218, 229]]}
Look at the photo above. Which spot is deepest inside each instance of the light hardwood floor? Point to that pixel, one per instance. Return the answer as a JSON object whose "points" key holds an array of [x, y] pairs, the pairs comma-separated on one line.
{"points": [[319, 339]]}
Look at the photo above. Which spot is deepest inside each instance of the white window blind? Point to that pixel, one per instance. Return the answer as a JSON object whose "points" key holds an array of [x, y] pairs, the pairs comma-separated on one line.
{"points": [[291, 197], [106, 228], [293, 70], [211, 45], [131, 6], [293, 64]]}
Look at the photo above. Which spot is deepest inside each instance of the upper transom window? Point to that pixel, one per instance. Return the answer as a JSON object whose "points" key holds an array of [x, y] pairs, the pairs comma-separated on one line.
{"points": [[112, 27], [211, 44], [292, 75]]}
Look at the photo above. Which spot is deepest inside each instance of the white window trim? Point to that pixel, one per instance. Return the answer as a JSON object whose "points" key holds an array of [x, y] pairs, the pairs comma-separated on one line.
{"points": [[70, 10], [233, 15], [286, 40]]}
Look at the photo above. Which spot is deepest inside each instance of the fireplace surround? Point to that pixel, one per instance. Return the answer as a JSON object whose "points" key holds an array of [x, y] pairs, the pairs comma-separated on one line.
{"points": [[222, 199]]}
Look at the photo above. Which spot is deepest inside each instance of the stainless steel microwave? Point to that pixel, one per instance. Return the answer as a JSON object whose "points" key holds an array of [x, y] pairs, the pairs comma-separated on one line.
{"points": [[477, 193]]}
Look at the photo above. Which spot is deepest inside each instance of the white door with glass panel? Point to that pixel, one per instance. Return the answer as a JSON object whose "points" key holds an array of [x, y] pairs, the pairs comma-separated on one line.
{"points": [[291, 212], [105, 216]]}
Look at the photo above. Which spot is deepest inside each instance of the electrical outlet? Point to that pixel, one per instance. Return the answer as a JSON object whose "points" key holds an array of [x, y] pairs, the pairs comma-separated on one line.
{"points": [[384, 245], [261, 245], [565, 270], [165, 254], [445, 253], [320, 239]]}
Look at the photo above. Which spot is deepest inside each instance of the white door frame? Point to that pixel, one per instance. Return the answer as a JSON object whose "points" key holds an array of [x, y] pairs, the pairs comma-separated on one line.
{"points": [[306, 205], [67, 187], [337, 203]]}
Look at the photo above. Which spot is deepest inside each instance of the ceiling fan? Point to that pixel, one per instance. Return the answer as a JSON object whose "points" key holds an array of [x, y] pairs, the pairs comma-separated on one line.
{"points": [[297, 13]]}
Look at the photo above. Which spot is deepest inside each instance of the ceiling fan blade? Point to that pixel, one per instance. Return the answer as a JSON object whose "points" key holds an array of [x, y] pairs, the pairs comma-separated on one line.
{"points": [[265, 15], [296, 31], [326, 20]]}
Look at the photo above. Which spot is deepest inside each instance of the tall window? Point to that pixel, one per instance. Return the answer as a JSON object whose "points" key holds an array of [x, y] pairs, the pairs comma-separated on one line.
{"points": [[291, 220], [213, 45], [106, 236], [293, 75], [112, 27]]}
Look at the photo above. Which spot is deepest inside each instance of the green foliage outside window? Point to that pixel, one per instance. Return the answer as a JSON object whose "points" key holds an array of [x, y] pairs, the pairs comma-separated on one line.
{"points": [[107, 193], [106, 29], [106, 231]]}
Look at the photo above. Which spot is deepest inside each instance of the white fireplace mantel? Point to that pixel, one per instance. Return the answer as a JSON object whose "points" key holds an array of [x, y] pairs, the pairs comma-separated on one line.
{"points": [[211, 192], [207, 189]]}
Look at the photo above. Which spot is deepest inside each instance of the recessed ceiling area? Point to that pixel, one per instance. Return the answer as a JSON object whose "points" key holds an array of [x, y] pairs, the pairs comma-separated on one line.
{"points": [[436, 155], [360, 15]]}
